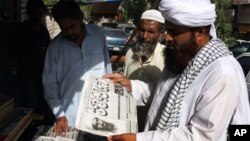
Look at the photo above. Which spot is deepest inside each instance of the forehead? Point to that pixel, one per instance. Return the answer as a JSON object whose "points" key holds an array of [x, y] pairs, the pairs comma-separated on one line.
{"points": [[149, 23], [68, 22]]}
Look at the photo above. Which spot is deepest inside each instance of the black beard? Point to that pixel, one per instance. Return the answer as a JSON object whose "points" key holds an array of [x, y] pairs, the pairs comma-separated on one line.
{"points": [[177, 58], [142, 50], [170, 53]]}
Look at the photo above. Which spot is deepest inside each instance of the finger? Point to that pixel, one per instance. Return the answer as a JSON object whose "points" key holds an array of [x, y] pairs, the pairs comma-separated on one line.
{"points": [[116, 138], [109, 76], [112, 76], [122, 80], [65, 126], [110, 138], [58, 129], [55, 128]]}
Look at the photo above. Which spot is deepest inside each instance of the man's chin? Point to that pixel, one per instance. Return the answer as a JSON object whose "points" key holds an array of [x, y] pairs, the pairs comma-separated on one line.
{"points": [[176, 68]]}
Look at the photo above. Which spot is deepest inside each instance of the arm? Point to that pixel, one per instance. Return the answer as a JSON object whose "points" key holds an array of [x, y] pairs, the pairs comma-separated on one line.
{"points": [[140, 90], [51, 90], [106, 57], [211, 117]]}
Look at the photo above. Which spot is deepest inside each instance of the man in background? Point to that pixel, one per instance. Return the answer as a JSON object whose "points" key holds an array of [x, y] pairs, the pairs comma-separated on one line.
{"points": [[145, 57], [32, 42], [77, 51]]}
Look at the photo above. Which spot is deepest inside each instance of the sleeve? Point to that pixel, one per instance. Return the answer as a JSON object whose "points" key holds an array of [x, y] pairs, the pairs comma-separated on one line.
{"points": [[211, 117], [106, 54], [141, 91], [126, 62], [51, 88]]}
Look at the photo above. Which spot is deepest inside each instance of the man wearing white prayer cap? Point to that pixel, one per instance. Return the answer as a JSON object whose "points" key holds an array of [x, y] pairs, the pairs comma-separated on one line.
{"points": [[201, 91], [145, 56]]}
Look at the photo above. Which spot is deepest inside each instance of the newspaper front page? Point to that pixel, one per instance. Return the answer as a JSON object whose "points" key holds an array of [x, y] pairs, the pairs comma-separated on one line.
{"points": [[106, 108]]}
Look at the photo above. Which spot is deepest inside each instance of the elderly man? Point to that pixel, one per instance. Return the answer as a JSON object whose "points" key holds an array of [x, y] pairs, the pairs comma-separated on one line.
{"points": [[201, 91], [146, 55]]}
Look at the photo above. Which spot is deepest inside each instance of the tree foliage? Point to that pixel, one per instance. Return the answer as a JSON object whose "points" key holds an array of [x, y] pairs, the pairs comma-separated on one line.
{"points": [[132, 9], [224, 26]]}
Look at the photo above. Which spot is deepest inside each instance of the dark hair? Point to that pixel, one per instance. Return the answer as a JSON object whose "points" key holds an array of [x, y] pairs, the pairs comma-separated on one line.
{"points": [[208, 27], [66, 9], [162, 26], [32, 5]]}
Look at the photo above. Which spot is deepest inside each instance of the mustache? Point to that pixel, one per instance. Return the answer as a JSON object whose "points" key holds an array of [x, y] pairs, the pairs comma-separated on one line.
{"points": [[178, 56], [142, 49]]}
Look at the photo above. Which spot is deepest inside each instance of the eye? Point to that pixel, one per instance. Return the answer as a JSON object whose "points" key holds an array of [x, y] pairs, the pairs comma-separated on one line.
{"points": [[174, 32]]}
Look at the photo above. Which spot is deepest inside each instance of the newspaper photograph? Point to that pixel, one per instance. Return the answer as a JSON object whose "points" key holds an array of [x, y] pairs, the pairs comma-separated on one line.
{"points": [[106, 108]]}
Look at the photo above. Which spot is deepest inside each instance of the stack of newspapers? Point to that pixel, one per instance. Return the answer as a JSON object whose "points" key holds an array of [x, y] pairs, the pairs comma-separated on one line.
{"points": [[46, 133], [106, 108]]}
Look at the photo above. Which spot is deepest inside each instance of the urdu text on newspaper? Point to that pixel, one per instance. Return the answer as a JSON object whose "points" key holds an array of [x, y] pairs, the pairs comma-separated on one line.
{"points": [[106, 108]]}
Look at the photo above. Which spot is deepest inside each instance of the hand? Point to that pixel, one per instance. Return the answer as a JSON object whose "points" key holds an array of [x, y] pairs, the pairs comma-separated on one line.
{"points": [[61, 125], [119, 78], [123, 137]]}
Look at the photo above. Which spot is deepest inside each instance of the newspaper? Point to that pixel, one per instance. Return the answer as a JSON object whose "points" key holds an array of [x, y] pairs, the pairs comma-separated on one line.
{"points": [[106, 108], [46, 133]]}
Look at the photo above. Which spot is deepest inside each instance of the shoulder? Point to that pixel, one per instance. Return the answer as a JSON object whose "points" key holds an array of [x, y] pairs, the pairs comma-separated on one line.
{"points": [[227, 64], [55, 42], [226, 67], [92, 29], [159, 48], [129, 52]]}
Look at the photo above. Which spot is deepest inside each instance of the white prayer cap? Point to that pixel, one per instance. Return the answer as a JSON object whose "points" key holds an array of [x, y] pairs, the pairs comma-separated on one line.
{"points": [[153, 14], [191, 13]]}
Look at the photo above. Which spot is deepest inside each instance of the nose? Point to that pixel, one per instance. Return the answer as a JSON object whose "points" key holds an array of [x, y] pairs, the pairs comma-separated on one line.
{"points": [[168, 37], [145, 35]]}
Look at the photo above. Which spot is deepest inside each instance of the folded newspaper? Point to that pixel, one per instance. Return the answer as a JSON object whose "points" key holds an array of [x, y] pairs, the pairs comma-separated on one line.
{"points": [[106, 108], [47, 133]]}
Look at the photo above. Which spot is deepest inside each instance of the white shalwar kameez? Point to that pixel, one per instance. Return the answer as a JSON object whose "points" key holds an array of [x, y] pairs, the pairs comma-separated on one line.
{"points": [[216, 98]]}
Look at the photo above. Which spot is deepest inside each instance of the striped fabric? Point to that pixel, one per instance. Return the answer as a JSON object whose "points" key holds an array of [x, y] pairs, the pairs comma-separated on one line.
{"points": [[169, 118]]}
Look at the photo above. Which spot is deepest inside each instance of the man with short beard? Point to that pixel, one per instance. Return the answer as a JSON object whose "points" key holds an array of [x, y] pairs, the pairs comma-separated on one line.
{"points": [[146, 55], [201, 91], [77, 51]]}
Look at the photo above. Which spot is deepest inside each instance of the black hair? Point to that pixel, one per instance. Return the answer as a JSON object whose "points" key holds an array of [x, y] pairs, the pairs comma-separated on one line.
{"points": [[208, 27], [67, 9], [32, 5]]}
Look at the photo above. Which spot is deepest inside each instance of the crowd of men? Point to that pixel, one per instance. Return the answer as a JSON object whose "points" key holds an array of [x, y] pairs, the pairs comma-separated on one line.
{"points": [[192, 86]]}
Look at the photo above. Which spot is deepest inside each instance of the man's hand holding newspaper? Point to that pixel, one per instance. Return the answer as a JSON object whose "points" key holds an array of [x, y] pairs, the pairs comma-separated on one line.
{"points": [[118, 78]]}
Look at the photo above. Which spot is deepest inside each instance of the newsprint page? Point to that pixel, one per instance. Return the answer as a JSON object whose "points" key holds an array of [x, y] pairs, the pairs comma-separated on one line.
{"points": [[106, 108]]}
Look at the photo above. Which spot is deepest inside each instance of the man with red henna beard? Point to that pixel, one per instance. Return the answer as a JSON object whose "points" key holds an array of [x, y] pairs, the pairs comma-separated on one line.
{"points": [[202, 89]]}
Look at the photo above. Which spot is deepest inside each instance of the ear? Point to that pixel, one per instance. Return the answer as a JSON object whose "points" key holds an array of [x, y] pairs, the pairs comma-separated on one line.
{"points": [[202, 35], [200, 32]]}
